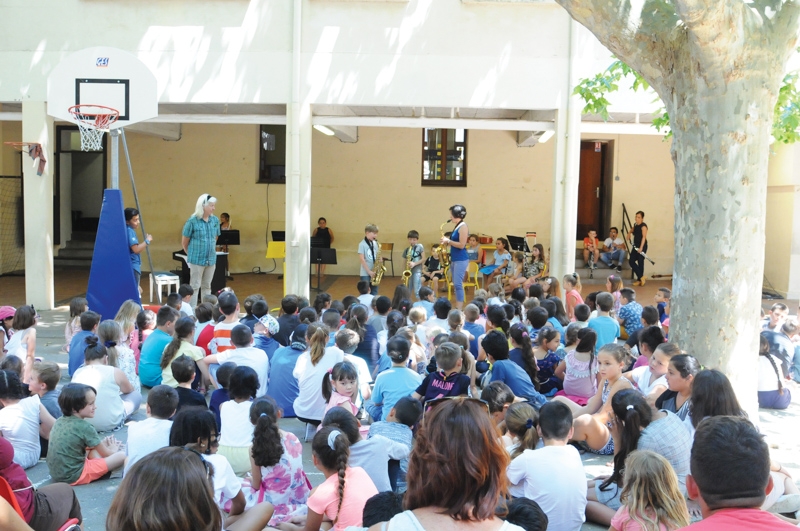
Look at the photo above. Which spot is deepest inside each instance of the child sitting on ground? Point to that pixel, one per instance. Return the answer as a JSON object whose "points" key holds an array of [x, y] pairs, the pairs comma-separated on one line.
{"points": [[182, 344], [397, 427], [276, 465], [661, 299], [582, 313], [236, 435], [579, 369], [149, 435], [495, 344], [340, 389], [243, 353], [552, 476], [44, 379], [547, 360], [447, 380], [332, 501], [174, 301], [77, 455], [630, 313], [22, 419], [89, 322], [395, 383], [183, 369], [185, 291], [521, 422], [364, 295], [220, 395], [77, 306], [426, 300]]}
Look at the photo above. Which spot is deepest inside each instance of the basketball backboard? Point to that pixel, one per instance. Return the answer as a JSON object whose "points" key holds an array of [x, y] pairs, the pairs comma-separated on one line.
{"points": [[103, 76]]}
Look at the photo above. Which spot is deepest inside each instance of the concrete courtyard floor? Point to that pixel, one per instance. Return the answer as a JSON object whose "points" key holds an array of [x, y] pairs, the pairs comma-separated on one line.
{"points": [[781, 429]]}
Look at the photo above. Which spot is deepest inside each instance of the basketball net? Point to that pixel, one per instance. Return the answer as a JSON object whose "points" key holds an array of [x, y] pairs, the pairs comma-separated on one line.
{"points": [[92, 122]]}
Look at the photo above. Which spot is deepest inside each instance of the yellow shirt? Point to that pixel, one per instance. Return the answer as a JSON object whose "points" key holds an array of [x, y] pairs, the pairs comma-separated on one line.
{"points": [[196, 353]]}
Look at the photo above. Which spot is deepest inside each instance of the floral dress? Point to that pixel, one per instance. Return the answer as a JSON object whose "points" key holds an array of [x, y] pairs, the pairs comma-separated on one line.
{"points": [[547, 368], [126, 361], [284, 484]]}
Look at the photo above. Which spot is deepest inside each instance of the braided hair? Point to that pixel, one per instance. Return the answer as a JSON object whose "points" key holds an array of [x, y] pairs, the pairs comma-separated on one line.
{"points": [[763, 350], [332, 448]]}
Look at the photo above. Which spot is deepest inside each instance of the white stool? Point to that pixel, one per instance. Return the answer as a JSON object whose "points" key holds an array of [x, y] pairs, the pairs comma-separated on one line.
{"points": [[161, 279]]}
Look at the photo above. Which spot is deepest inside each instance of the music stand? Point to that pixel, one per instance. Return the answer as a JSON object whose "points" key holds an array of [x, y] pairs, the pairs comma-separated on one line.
{"points": [[319, 256], [518, 243], [228, 237]]}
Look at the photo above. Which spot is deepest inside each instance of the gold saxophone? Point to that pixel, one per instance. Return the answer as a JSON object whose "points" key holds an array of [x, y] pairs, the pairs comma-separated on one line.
{"points": [[407, 272], [378, 268], [444, 253]]}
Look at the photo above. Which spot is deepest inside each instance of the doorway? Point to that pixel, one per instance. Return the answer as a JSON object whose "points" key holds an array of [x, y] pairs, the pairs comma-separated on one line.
{"points": [[594, 188], [80, 180]]}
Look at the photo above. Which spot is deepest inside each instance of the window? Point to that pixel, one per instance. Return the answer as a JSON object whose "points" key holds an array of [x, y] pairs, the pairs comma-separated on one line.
{"points": [[444, 157], [272, 147]]}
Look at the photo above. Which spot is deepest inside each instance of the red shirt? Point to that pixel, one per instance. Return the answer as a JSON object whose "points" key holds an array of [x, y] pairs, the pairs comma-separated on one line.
{"points": [[741, 520], [205, 336]]}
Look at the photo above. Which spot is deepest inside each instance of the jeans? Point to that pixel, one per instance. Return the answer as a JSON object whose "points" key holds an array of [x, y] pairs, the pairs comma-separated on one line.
{"points": [[457, 272], [415, 282], [372, 289], [137, 276], [617, 256], [200, 278]]}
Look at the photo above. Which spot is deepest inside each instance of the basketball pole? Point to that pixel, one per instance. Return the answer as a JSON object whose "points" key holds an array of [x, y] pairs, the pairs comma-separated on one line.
{"points": [[115, 168]]}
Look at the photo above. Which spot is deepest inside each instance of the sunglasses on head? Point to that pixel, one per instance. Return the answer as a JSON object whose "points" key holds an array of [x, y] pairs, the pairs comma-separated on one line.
{"points": [[432, 404], [205, 463]]}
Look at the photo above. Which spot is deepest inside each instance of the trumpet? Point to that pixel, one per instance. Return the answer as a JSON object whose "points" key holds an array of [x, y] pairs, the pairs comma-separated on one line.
{"points": [[444, 254], [407, 272]]}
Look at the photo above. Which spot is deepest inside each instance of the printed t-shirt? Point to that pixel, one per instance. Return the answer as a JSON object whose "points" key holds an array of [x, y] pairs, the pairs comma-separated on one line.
{"points": [[437, 385]]}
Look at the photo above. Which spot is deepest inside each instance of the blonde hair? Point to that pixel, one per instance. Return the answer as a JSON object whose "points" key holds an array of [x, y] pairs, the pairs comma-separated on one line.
{"points": [[455, 319], [651, 493], [481, 294], [202, 201], [317, 336], [521, 421], [126, 317], [417, 315], [574, 280], [496, 290], [371, 228]]}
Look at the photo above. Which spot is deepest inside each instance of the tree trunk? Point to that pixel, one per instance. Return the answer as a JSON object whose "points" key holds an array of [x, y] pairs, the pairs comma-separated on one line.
{"points": [[721, 151]]}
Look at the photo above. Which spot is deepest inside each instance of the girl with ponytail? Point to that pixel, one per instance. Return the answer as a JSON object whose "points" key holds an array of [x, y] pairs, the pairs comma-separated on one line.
{"points": [[311, 369], [340, 499], [276, 465], [522, 352], [119, 355], [182, 343], [637, 427], [368, 348], [521, 422], [772, 394]]}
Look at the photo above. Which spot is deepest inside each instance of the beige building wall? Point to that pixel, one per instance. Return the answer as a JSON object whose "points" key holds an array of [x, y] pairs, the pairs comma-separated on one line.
{"points": [[377, 180], [783, 221]]}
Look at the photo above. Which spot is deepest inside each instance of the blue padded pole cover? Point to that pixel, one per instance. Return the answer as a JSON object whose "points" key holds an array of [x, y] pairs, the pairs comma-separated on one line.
{"points": [[111, 280]]}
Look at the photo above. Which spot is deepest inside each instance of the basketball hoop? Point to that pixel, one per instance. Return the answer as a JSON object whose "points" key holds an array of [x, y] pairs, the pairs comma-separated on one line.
{"points": [[93, 121]]}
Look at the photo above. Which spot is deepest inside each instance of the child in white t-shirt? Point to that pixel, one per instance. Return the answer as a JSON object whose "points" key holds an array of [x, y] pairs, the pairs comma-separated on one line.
{"points": [[236, 435], [243, 353], [152, 433], [20, 419], [552, 476], [651, 379]]}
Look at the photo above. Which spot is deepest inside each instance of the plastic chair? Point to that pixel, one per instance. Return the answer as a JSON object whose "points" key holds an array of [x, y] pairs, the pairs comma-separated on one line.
{"points": [[160, 279], [7, 493], [388, 247], [472, 276]]}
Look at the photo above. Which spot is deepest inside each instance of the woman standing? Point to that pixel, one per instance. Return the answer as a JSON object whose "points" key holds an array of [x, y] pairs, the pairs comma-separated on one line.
{"points": [[639, 233], [459, 259], [199, 243]]}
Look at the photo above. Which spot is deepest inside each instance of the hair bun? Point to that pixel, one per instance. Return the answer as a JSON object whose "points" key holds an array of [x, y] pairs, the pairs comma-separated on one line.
{"points": [[92, 340]]}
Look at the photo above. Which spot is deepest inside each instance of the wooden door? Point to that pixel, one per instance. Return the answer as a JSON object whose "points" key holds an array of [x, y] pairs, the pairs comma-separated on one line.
{"points": [[590, 190]]}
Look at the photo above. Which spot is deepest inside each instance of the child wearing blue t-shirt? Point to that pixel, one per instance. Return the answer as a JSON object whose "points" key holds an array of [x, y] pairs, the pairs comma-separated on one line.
{"points": [[607, 327], [393, 384], [495, 344]]}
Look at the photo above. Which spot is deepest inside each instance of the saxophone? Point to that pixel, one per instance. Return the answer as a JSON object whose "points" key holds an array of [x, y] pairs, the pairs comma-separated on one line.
{"points": [[407, 272], [444, 253], [378, 268]]}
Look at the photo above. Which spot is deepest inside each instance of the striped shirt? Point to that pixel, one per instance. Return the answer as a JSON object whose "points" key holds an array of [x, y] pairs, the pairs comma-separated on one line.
{"points": [[222, 337], [202, 240]]}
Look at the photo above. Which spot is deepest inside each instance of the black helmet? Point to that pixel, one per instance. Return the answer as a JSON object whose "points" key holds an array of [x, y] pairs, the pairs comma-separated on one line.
{"points": [[458, 211]]}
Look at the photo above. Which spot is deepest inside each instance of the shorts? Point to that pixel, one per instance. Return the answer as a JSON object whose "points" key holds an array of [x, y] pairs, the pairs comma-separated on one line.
{"points": [[610, 496], [238, 457], [54, 505], [608, 449], [431, 276], [93, 469]]}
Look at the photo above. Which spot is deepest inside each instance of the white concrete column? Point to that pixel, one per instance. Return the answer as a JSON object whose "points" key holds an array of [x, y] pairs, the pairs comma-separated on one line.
{"points": [[298, 200], [37, 126], [567, 169]]}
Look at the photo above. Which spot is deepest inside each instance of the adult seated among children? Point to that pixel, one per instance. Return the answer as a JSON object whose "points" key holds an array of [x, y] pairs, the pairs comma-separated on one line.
{"points": [[613, 250]]}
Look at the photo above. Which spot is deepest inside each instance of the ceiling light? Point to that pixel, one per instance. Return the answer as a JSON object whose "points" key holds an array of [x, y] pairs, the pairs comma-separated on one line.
{"points": [[324, 130]]}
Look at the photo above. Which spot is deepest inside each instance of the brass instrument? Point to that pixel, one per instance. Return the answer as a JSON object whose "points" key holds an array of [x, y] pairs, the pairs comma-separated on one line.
{"points": [[378, 268], [444, 253], [407, 272]]}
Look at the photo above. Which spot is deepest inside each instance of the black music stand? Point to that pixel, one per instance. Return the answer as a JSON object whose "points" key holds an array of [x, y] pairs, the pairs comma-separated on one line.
{"points": [[319, 256], [518, 243], [228, 237]]}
